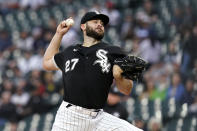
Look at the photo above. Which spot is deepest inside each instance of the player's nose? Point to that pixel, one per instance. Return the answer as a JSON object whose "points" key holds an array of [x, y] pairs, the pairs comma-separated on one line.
{"points": [[99, 25]]}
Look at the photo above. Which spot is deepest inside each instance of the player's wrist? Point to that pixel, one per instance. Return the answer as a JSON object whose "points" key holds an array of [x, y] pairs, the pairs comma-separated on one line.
{"points": [[59, 34]]}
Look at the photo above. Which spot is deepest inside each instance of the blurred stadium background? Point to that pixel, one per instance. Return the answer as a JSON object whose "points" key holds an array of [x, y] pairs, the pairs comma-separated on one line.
{"points": [[164, 32]]}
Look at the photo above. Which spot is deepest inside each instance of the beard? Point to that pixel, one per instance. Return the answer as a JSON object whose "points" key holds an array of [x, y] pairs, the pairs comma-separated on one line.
{"points": [[92, 33]]}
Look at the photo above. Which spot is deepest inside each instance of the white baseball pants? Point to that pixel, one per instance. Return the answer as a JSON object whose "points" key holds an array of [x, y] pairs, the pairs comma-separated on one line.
{"points": [[75, 118]]}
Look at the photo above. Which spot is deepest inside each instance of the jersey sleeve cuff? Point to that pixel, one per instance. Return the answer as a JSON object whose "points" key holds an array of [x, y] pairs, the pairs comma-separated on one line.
{"points": [[54, 62]]}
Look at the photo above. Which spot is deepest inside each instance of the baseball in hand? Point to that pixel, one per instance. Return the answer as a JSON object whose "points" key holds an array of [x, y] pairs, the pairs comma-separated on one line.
{"points": [[69, 22]]}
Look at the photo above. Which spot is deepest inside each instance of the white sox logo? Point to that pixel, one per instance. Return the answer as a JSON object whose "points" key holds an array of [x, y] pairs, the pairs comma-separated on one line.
{"points": [[103, 60]]}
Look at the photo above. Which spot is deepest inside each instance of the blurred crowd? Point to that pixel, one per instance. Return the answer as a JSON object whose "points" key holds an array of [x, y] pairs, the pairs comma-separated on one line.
{"points": [[136, 26]]}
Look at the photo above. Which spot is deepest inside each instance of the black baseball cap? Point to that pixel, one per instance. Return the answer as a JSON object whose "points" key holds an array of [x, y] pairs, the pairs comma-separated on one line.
{"points": [[94, 15]]}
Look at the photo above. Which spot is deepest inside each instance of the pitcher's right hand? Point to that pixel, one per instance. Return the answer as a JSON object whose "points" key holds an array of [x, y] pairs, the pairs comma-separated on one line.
{"points": [[63, 28]]}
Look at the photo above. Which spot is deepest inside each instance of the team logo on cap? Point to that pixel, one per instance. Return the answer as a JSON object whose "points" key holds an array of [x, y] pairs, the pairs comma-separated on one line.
{"points": [[97, 12]]}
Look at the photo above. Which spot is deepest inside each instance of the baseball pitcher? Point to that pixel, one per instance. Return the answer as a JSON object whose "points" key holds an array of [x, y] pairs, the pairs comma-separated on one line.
{"points": [[88, 70]]}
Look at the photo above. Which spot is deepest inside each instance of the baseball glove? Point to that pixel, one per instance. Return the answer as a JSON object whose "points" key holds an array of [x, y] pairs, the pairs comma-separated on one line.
{"points": [[132, 67]]}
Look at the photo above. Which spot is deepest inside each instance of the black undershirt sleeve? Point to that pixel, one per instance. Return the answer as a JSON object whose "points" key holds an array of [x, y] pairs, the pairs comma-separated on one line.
{"points": [[116, 52]]}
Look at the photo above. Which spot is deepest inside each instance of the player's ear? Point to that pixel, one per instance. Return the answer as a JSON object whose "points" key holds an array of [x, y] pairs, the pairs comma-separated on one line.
{"points": [[83, 26]]}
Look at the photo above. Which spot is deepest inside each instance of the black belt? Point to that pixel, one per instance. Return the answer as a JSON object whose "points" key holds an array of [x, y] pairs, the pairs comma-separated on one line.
{"points": [[69, 105]]}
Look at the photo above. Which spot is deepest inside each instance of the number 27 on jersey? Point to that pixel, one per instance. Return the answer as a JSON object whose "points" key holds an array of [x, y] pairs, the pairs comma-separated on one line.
{"points": [[70, 64]]}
